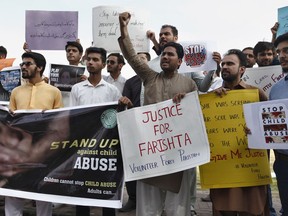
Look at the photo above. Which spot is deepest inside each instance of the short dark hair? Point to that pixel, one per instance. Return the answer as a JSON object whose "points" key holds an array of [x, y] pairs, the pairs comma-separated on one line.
{"points": [[247, 48], [148, 56], [3, 50], [119, 57], [101, 51], [262, 46], [177, 46], [241, 56], [39, 59], [281, 38], [74, 44], [173, 28]]}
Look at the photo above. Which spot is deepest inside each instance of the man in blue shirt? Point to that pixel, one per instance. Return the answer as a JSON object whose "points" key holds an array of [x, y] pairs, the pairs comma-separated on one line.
{"points": [[280, 91]]}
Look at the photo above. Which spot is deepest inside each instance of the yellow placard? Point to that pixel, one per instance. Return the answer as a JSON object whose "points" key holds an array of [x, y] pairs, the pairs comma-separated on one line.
{"points": [[232, 163]]}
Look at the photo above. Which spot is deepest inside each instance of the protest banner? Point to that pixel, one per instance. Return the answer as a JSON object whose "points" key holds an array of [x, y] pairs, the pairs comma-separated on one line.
{"points": [[8, 62], [65, 76], [106, 30], [268, 124], [263, 77], [69, 155], [10, 78], [282, 20], [163, 138], [232, 163], [50, 30]]}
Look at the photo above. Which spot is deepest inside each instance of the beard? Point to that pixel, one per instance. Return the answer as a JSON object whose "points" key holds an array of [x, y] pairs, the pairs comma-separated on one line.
{"points": [[29, 75], [230, 77]]}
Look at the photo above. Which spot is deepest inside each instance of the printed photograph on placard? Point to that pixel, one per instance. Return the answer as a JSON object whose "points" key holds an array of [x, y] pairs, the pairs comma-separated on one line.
{"points": [[9, 79], [274, 123], [65, 76]]}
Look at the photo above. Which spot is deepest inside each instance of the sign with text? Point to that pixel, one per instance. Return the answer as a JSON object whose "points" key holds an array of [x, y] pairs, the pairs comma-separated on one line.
{"points": [[106, 30], [268, 124], [50, 30], [8, 62], [282, 20], [65, 76], [197, 57], [69, 155], [10, 78], [263, 77], [230, 155], [163, 138]]}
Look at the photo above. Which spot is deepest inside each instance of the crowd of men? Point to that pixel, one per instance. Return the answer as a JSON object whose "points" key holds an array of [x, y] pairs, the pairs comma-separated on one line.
{"points": [[150, 85]]}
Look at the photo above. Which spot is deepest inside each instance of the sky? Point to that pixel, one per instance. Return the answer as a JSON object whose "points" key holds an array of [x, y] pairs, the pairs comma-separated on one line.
{"points": [[228, 23]]}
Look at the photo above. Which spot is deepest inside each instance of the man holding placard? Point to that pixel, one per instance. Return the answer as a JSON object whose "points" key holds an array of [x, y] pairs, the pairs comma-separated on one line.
{"points": [[35, 94], [94, 90], [161, 86], [280, 91], [245, 200]]}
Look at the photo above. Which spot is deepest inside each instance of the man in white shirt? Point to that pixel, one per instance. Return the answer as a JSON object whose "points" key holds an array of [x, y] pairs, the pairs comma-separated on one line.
{"points": [[115, 62], [94, 90]]}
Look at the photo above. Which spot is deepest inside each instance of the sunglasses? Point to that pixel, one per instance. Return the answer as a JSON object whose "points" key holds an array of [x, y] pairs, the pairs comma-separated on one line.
{"points": [[111, 62], [26, 64]]}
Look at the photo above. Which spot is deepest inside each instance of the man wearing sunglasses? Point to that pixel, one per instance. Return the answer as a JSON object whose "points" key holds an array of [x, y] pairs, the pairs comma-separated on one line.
{"points": [[34, 94], [115, 62]]}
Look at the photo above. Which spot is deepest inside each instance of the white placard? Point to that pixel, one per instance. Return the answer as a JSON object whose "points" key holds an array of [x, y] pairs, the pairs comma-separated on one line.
{"points": [[268, 124], [263, 77], [106, 30], [163, 138]]}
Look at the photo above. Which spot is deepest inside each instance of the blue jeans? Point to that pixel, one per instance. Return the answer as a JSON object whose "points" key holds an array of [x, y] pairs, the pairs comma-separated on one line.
{"points": [[281, 170]]}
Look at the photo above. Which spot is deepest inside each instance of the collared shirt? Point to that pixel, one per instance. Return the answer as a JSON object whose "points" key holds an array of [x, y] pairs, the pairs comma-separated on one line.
{"points": [[38, 96], [158, 87], [280, 91], [84, 93], [119, 82]]}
